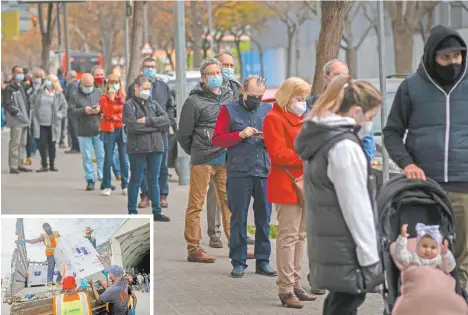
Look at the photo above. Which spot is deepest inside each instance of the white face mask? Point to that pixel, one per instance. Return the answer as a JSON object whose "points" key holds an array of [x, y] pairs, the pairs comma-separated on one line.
{"points": [[366, 129], [144, 94], [298, 108]]}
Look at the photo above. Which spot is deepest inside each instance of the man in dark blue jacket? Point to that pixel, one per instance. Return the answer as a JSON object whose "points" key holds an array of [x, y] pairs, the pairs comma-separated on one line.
{"points": [[161, 93], [239, 129], [431, 106]]}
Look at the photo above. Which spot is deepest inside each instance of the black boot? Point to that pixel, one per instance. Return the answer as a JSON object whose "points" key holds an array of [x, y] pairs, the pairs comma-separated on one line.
{"points": [[90, 185], [42, 169], [52, 167], [159, 217]]}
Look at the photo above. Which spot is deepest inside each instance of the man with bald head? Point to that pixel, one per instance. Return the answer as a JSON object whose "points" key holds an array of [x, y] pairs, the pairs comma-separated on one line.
{"points": [[70, 89], [84, 106]]}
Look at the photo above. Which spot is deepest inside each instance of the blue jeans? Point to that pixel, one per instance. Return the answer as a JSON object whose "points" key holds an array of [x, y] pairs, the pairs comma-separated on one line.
{"points": [[138, 163], [116, 162], [86, 147], [50, 270], [110, 139], [31, 146], [239, 192], [163, 175]]}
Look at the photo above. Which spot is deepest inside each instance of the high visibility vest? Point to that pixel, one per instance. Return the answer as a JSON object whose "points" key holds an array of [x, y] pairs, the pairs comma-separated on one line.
{"points": [[75, 304], [50, 244]]}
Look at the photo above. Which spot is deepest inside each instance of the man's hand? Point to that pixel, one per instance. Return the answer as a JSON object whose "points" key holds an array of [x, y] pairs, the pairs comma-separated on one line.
{"points": [[88, 110], [141, 120], [91, 283], [414, 172], [404, 231], [97, 109], [247, 132]]}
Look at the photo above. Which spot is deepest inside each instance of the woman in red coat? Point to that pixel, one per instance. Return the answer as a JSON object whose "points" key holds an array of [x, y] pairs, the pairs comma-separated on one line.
{"points": [[112, 132], [280, 128]]}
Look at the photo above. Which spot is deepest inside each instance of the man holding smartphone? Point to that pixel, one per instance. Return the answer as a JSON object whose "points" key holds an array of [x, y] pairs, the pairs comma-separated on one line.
{"points": [[239, 129]]}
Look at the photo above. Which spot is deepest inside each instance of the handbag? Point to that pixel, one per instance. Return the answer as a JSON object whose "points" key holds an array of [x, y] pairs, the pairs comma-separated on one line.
{"points": [[298, 185]]}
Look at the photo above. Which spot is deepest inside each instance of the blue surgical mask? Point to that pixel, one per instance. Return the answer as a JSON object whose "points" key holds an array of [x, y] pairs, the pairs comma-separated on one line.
{"points": [[48, 84], [150, 73], [87, 90], [115, 86], [215, 81], [19, 77], [228, 74]]}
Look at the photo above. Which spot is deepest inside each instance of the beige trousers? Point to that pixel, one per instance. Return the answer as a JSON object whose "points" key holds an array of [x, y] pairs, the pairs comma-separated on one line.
{"points": [[290, 246]]}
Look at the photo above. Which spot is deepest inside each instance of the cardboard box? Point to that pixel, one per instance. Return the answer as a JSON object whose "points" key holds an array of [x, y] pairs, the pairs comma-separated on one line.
{"points": [[77, 257]]}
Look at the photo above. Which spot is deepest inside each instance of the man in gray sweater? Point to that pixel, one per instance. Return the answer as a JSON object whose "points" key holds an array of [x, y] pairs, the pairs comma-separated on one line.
{"points": [[84, 106]]}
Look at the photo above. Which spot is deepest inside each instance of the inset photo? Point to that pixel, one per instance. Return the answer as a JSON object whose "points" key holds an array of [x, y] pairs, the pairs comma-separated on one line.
{"points": [[67, 265]]}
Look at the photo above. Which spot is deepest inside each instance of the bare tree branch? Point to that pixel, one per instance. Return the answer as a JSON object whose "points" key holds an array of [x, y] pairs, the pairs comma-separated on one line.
{"points": [[363, 37], [459, 4]]}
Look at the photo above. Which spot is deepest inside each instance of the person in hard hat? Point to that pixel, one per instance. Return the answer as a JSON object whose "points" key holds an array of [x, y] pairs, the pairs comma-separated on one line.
{"points": [[71, 301], [115, 294], [50, 239], [89, 237]]}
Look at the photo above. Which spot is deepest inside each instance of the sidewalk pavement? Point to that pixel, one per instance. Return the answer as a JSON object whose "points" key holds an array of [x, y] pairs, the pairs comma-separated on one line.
{"points": [[180, 287]]}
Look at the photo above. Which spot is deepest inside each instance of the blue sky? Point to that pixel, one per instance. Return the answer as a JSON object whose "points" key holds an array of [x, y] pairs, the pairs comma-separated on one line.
{"points": [[103, 228]]}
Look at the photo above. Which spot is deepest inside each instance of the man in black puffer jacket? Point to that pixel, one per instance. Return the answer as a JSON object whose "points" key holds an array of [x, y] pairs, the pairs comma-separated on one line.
{"points": [[431, 105], [196, 126]]}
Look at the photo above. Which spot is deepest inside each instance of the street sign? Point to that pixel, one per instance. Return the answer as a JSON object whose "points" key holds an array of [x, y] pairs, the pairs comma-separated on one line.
{"points": [[147, 49]]}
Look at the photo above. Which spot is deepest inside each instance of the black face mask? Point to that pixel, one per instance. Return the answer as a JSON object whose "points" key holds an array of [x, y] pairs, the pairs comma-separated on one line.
{"points": [[252, 102], [449, 73]]}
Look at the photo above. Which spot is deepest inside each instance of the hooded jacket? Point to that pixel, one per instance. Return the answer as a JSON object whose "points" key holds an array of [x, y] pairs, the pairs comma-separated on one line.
{"points": [[341, 229], [436, 118], [17, 105], [197, 121]]}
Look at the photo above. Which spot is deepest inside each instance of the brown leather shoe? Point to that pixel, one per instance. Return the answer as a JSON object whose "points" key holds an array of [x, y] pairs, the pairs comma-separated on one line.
{"points": [[303, 295], [250, 256], [163, 201], [200, 256], [144, 203], [290, 300]]}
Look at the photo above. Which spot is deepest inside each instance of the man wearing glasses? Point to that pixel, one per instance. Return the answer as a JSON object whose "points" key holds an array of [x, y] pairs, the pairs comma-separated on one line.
{"points": [[239, 129], [196, 125], [161, 93]]}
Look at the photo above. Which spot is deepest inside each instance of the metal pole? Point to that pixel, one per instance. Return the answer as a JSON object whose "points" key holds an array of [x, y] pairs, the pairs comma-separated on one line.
{"points": [[127, 45], [59, 35], [181, 65], [145, 22], [210, 27], [67, 37], [383, 88]]}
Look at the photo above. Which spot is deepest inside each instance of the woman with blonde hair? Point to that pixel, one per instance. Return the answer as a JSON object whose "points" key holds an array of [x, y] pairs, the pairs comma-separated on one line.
{"points": [[280, 128], [341, 230], [48, 107], [112, 132]]}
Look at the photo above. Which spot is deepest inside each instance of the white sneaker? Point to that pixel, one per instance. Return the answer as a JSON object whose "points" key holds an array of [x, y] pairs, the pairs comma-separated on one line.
{"points": [[106, 192], [124, 191]]}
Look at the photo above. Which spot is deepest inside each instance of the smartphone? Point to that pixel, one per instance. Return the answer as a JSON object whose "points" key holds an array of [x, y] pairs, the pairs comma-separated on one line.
{"points": [[257, 134]]}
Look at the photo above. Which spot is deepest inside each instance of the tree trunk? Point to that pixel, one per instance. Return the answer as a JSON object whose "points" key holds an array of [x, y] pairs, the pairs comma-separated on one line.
{"points": [[136, 41], [291, 32], [237, 41], [45, 54], [403, 45], [297, 43], [260, 56], [196, 28], [351, 60], [333, 13]]}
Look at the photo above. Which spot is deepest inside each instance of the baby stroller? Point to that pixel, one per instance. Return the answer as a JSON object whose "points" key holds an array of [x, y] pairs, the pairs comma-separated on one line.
{"points": [[406, 201]]}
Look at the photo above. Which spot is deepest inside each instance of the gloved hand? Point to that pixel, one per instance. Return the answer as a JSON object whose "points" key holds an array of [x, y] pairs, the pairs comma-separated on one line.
{"points": [[105, 273], [84, 283], [133, 311], [22, 242]]}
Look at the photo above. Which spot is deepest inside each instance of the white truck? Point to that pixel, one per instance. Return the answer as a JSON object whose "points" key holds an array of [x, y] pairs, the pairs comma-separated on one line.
{"points": [[128, 246]]}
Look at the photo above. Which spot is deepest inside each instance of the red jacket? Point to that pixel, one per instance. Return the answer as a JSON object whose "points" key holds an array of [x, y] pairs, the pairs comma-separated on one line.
{"points": [[280, 128], [111, 112]]}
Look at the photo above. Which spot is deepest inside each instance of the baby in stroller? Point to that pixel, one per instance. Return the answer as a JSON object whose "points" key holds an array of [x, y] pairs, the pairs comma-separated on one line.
{"points": [[430, 251], [425, 290]]}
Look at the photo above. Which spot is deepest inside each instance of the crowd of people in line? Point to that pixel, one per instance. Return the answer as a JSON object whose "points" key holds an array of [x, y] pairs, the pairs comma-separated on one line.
{"points": [[242, 148]]}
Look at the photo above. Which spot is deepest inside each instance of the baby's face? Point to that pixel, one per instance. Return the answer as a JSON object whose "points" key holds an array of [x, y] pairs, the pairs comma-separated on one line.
{"points": [[428, 248]]}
